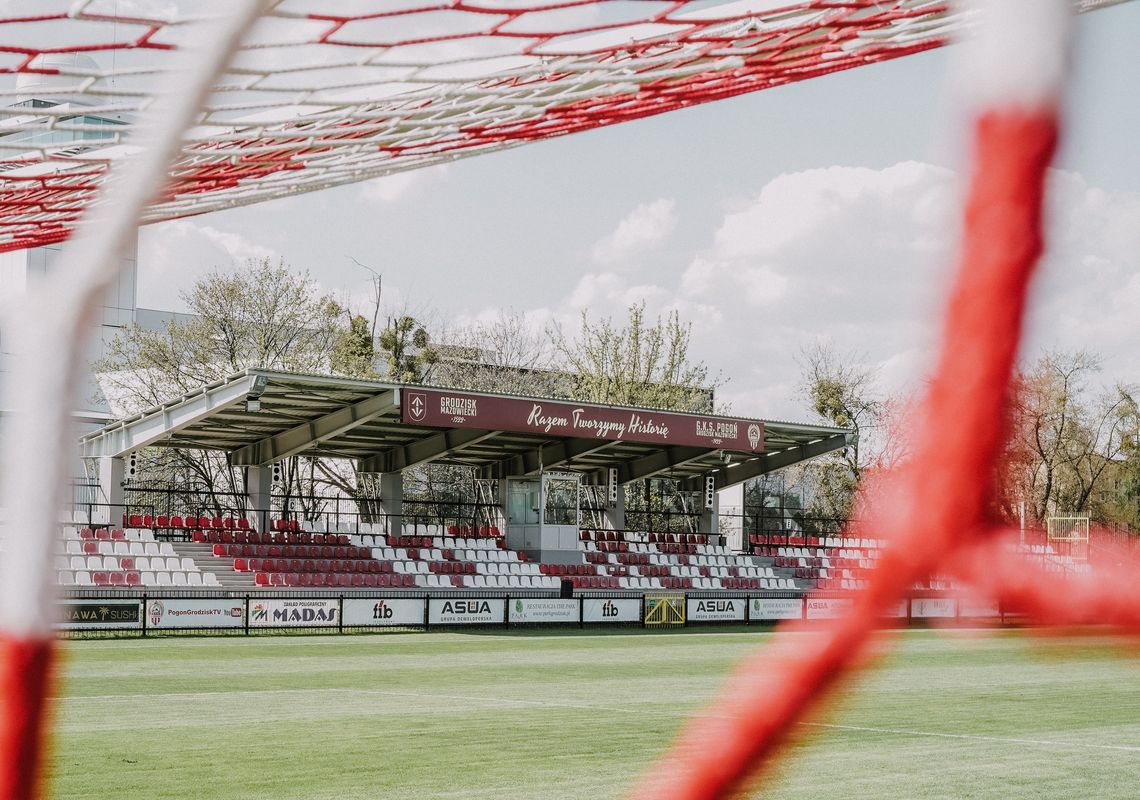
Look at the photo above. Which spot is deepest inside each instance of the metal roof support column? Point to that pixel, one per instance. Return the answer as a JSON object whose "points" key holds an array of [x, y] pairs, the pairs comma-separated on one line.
{"points": [[111, 474], [392, 501], [710, 517], [258, 486], [730, 505], [614, 513]]}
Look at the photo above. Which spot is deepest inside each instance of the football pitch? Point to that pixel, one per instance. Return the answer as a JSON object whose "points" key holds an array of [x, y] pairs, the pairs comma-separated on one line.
{"points": [[567, 715]]}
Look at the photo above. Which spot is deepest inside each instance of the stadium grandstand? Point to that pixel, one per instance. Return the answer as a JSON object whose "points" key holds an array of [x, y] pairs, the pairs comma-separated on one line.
{"points": [[534, 459]]}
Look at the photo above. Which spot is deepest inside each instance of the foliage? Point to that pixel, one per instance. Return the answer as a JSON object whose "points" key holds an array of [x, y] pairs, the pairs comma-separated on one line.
{"points": [[639, 363], [354, 352], [407, 344], [263, 315], [503, 355], [1067, 439], [842, 392]]}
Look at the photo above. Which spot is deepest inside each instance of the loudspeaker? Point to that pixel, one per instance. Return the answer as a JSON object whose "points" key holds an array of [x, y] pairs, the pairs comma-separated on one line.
{"points": [[276, 473], [132, 466], [612, 485], [710, 492], [567, 590]]}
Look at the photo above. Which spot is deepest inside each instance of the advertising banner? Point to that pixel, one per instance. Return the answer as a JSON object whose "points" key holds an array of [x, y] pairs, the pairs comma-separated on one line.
{"points": [[931, 607], [174, 613], [106, 614], [618, 609], [543, 610], [978, 609], [709, 610], [898, 610], [445, 409], [769, 608], [465, 611], [383, 611], [826, 607], [315, 613]]}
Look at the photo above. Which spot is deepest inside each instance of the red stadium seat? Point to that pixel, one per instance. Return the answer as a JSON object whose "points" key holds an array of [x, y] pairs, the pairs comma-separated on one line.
{"points": [[100, 579], [134, 579]]}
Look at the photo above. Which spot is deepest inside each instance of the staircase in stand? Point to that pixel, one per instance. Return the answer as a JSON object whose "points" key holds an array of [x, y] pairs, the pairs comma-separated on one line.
{"points": [[223, 568]]}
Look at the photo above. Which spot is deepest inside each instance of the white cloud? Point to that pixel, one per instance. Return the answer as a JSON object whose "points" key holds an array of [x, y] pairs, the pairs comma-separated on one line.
{"points": [[175, 254], [398, 185], [861, 258], [644, 228]]}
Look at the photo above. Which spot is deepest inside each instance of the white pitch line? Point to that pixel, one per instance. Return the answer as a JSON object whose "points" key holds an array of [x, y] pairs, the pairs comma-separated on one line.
{"points": [[623, 709], [500, 701], [972, 737]]}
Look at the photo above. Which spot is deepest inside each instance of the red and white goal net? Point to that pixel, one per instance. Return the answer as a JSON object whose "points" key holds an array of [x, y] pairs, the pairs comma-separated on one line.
{"points": [[121, 112], [325, 93]]}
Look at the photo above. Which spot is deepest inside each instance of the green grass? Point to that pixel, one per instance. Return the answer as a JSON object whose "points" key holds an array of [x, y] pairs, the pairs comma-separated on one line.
{"points": [[569, 715]]}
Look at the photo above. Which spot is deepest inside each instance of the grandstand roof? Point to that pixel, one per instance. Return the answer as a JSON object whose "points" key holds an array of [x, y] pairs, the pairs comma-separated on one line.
{"points": [[386, 427]]}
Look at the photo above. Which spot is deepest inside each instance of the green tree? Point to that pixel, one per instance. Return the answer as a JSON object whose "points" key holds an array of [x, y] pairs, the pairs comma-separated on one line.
{"points": [[354, 352], [263, 315], [407, 345], [1068, 439], [638, 363], [840, 391]]}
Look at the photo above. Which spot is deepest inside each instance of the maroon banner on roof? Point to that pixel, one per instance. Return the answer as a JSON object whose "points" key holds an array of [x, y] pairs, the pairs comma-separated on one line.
{"points": [[443, 409]]}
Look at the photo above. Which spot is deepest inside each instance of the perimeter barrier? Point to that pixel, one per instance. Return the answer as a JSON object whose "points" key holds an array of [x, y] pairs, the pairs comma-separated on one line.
{"points": [[141, 614]]}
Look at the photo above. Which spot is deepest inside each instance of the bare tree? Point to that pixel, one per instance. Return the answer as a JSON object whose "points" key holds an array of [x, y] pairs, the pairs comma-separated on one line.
{"points": [[502, 355], [1065, 436], [638, 363]]}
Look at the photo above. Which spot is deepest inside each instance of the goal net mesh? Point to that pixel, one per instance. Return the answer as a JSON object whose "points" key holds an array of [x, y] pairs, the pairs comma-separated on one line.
{"points": [[326, 93]]}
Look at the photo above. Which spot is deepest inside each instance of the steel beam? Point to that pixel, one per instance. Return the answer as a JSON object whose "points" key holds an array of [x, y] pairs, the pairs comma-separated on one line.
{"points": [[548, 456], [423, 451], [753, 468], [302, 437], [145, 429], [659, 461]]}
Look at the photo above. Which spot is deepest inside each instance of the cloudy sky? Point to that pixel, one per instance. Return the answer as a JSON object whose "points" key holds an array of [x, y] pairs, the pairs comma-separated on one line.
{"points": [[823, 211]]}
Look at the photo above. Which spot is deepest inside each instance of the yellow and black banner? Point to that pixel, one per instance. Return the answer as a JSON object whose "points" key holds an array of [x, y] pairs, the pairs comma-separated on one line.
{"points": [[664, 609]]}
